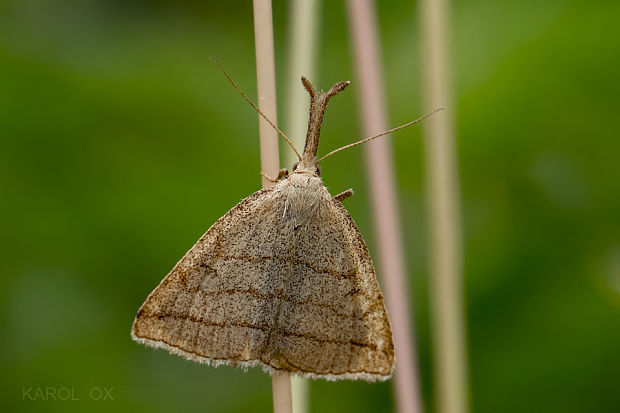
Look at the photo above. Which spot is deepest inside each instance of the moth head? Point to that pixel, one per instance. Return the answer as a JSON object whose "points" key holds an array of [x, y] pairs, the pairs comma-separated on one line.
{"points": [[302, 168]]}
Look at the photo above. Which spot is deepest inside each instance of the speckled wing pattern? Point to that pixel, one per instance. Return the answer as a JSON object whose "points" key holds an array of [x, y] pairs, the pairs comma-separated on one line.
{"points": [[260, 288]]}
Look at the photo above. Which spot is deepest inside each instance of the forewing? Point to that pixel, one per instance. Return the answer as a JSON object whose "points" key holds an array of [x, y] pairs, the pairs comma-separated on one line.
{"points": [[332, 322], [219, 302]]}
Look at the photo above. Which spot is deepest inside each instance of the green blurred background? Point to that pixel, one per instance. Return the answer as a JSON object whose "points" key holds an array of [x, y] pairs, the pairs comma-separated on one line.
{"points": [[121, 143]]}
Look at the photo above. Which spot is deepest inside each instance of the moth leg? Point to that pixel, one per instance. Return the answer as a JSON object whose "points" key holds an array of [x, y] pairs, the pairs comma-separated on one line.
{"points": [[282, 174], [343, 195]]}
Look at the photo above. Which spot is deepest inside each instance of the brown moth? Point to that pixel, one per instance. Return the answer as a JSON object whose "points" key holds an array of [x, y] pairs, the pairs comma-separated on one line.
{"points": [[283, 280]]}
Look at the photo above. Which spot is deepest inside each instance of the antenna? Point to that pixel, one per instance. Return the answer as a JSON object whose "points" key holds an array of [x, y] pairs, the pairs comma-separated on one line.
{"points": [[379, 135], [214, 60]]}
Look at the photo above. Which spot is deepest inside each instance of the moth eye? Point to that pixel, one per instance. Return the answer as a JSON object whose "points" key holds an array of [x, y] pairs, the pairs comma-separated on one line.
{"points": [[318, 171], [294, 166]]}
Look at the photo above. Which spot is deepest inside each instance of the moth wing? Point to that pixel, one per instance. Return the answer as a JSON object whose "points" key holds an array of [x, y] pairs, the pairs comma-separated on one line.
{"points": [[219, 302], [258, 289], [333, 323]]}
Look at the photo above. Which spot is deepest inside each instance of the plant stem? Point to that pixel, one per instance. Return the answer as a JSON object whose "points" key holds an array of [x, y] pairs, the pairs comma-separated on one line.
{"points": [[281, 388], [379, 166], [266, 84], [446, 293]]}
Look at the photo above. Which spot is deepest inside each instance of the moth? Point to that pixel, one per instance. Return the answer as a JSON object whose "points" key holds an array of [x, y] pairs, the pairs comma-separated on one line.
{"points": [[283, 281]]}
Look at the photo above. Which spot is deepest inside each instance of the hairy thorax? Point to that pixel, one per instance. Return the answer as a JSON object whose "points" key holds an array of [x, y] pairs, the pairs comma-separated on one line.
{"points": [[303, 196]]}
